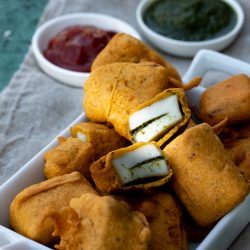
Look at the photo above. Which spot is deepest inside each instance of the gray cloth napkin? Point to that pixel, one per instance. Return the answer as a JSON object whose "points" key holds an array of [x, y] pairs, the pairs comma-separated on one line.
{"points": [[34, 108]]}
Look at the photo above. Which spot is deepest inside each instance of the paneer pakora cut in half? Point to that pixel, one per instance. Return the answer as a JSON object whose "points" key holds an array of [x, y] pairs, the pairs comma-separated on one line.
{"points": [[140, 166], [138, 105], [159, 118], [113, 91]]}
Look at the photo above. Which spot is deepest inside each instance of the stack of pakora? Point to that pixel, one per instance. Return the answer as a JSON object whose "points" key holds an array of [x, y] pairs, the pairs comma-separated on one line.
{"points": [[141, 159], [230, 99], [89, 142]]}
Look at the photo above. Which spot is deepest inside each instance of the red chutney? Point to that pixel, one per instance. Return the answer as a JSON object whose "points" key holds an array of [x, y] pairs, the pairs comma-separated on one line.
{"points": [[76, 47]]}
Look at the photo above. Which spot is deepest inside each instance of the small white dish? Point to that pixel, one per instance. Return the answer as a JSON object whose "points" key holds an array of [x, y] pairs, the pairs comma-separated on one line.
{"points": [[189, 48], [49, 29]]}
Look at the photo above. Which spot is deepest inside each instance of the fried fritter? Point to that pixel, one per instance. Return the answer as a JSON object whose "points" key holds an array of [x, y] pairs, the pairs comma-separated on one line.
{"points": [[140, 166], [29, 207], [238, 131], [103, 138], [236, 140], [159, 118], [164, 216], [227, 99], [125, 48], [69, 156], [114, 90], [239, 152], [100, 223], [204, 175]]}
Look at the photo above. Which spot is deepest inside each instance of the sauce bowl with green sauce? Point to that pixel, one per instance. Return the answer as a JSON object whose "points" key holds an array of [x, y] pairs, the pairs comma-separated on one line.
{"points": [[183, 27]]}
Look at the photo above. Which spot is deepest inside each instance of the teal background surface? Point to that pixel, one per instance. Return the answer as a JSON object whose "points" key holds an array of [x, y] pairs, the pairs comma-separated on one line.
{"points": [[18, 21]]}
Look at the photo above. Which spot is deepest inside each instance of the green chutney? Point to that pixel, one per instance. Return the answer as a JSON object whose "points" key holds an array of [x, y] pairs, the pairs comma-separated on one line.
{"points": [[190, 20]]}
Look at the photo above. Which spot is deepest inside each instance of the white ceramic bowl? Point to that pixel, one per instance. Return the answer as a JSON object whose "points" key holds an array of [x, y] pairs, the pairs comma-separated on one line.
{"points": [[49, 29], [188, 48]]}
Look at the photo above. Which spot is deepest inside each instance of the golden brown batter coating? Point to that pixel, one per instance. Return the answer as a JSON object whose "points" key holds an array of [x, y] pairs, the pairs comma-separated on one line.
{"points": [[229, 98], [236, 140], [126, 175], [71, 155], [113, 91], [29, 207], [100, 223], [239, 152], [164, 216], [185, 111], [103, 138], [204, 175], [125, 48], [238, 131]]}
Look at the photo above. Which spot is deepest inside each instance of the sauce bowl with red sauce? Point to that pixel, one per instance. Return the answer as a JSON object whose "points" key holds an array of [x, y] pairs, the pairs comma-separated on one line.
{"points": [[76, 47], [66, 46]]}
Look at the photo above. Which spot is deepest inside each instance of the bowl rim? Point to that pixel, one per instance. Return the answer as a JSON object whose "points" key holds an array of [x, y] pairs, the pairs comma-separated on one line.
{"points": [[240, 17], [39, 31]]}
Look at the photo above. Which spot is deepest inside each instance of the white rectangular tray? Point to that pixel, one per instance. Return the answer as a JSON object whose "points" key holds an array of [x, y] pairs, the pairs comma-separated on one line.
{"points": [[220, 237]]}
